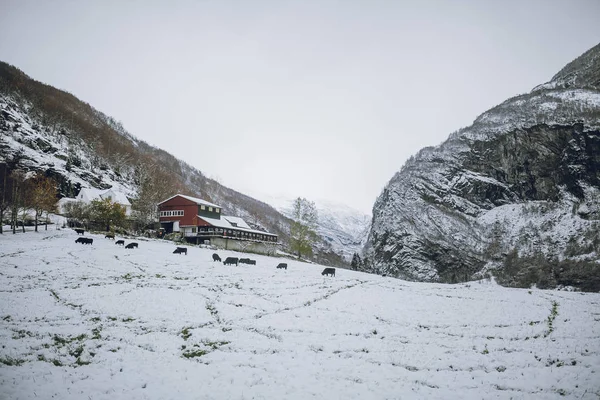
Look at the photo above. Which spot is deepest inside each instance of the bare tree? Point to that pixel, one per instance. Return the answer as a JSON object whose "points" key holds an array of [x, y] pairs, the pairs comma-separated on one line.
{"points": [[154, 185], [18, 198], [5, 193]]}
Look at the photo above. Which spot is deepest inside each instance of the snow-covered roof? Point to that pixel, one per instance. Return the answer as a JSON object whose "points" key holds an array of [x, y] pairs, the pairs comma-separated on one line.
{"points": [[117, 197], [224, 222], [236, 221], [89, 194], [194, 199]]}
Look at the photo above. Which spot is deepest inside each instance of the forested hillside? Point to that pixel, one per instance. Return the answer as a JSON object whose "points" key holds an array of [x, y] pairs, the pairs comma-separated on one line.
{"points": [[50, 131]]}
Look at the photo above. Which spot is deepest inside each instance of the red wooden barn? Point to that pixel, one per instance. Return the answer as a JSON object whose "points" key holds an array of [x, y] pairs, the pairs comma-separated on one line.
{"points": [[200, 221]]}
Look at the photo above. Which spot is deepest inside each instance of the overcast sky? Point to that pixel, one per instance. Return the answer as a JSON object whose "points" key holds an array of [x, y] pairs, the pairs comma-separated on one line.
{"points": [[320, 99]]}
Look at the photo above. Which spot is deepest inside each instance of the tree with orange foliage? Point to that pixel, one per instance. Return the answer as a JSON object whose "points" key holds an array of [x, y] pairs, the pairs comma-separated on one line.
{"points": [[43, 196]]}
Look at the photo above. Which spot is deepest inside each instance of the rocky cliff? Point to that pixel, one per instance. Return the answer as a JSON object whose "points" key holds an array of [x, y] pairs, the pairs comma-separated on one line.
{"points": [[516, 194]]}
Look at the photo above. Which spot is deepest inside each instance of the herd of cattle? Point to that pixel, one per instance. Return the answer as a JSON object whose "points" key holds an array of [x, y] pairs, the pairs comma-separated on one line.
{"points": [[183, 250]]}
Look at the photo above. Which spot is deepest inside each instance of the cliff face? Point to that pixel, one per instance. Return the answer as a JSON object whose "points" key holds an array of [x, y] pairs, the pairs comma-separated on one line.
{"points": [[514, 193]]}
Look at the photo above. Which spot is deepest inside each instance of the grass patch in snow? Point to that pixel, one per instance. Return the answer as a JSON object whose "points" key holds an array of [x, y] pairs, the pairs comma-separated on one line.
{"points": [[195, 352], [185, 333], [551, 318], [214, 345], [61, 341], [11, 361], [128, 276], [96, 332]]}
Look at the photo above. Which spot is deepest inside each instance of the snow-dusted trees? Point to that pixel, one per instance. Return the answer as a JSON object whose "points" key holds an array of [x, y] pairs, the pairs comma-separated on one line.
{"points": [[302, 229], [18, 198], [77, 210], [154, 185], [357, 262]]}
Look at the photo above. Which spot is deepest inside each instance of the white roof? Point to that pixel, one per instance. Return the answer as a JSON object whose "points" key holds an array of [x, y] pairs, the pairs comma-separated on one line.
{"points": [[89, 194], [240, 223], [225, 224], [194, 199], [117, 197]]}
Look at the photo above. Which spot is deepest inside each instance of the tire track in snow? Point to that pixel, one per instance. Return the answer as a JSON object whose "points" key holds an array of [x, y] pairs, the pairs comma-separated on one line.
{"points": [[308, 303]]}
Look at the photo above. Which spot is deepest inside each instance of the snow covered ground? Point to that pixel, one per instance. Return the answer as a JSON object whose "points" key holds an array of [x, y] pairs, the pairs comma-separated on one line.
{"points": [[103, 322]]}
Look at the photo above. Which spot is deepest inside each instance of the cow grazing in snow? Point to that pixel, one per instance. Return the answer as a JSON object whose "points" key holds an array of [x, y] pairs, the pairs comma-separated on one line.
{"points": [[180, 250], [79, 231], [282, 266], [328, 272], [131, 245], [231, 261], [216, 257], [121, 242]]}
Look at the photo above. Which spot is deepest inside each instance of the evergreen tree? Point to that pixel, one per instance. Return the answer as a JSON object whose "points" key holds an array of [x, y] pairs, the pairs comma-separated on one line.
{"points": [[357, 262]]}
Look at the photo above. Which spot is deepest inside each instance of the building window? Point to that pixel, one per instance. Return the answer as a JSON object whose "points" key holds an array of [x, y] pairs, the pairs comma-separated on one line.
{"points": [[218, 210], [194, 229], [209, 208], [171, 213], [203, 207]]}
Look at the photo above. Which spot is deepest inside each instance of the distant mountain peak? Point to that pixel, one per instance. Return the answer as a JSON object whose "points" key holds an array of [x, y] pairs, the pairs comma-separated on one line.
{"points": [[582, 72]]}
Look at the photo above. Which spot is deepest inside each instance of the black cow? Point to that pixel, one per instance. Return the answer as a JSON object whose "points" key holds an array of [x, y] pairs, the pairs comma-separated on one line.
{"points": [[230, 261], [245, 261], [180, 250], [131, 245], [81, 240], [328, 271], [80, 231], [109, 236], [282, 266], [216, 257], [251, 262], [121, 242], [89, 241]]}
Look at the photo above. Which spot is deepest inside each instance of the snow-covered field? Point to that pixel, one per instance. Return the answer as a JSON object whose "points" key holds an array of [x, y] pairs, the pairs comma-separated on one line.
{"points": [[103, 322]]}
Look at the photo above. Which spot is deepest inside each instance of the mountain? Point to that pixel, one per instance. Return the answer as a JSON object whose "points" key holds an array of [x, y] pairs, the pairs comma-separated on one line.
{"points": [[43, 129], [516, 194], [344, 228]]}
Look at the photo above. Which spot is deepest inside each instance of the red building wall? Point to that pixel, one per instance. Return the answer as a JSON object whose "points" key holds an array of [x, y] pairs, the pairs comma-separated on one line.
{"points": [[189, 208]]}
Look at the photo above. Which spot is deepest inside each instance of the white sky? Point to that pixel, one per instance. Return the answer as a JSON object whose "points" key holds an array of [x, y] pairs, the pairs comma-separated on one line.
{"points": [[320, 99]]}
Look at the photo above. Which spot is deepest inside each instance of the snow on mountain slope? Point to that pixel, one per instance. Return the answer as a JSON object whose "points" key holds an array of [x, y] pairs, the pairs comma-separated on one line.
{"points": [[54, 151], [344, 227], [519, 189], [101, 321]]}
